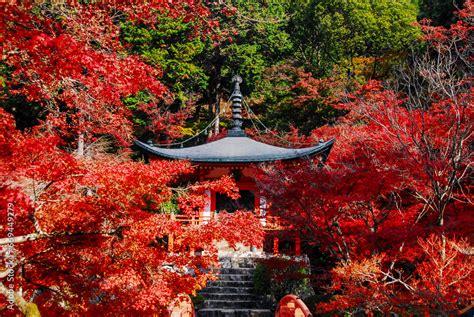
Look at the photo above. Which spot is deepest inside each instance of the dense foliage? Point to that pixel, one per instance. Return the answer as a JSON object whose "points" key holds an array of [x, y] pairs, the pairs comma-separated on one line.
{"points": [[393, 205], [89, 237], [87, 230], [89, 226], [278, 277]]}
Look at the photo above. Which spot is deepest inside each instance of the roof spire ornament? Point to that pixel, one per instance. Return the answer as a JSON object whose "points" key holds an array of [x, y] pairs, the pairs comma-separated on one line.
{"points": [[236, 147], [236, 97]]}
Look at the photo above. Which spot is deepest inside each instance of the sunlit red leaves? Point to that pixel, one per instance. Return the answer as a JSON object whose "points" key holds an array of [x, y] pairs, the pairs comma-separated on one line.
{"points": [[394, 186], [377, 194], [442, 278], [70, 59], [102, 241], [446, 274], [359, 283]]}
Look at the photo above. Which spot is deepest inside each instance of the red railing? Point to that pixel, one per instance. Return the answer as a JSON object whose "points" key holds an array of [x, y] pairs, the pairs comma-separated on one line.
{"points": [[191, 220], [269, 222], [292, 306]]}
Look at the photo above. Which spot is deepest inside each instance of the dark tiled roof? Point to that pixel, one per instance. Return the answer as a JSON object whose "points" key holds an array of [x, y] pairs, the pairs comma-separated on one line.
{"points": [[233, 149]]}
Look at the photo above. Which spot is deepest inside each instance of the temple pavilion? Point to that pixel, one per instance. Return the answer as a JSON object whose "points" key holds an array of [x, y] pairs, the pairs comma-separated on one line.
{"points": [[239, 156]]}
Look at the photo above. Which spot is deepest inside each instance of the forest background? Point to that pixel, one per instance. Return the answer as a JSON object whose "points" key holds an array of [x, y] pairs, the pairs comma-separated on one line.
{"points": [[390, 80]]}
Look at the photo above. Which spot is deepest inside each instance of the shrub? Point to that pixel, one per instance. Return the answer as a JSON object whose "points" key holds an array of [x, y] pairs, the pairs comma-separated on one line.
{"points": [[278, 277], [261, 279], [198, 300]]}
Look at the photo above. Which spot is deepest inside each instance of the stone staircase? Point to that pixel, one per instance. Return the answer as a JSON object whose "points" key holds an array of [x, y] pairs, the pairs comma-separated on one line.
{"points": [[233, 294]]}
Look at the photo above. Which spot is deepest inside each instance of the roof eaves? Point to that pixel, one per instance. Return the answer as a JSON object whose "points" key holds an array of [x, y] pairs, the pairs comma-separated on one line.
{"points": [[300, 153]]}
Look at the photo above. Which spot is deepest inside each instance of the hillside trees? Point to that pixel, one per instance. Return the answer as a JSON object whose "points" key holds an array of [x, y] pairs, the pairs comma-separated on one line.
{"points": [[247, 37], [328, 33], [333, 46], [262, 39]]}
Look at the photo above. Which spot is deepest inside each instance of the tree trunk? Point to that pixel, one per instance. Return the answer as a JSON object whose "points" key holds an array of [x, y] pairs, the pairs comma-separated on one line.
{"points": [[218, 110], [80, 146], [374, 69]]}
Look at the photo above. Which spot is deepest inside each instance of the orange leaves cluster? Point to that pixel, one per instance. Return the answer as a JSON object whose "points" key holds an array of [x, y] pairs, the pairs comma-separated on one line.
{"points": [[445, 277], [442, 279]]}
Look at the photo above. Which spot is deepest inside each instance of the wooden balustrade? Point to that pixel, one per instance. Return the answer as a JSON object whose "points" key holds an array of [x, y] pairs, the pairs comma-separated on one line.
{"points": [[270, 223], [191, 220], [292, 306]]}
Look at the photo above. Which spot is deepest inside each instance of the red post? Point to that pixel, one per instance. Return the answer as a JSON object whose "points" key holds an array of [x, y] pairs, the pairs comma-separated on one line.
{"points": [[275, 246], [171, 236], [297, 244], [170, 243]]}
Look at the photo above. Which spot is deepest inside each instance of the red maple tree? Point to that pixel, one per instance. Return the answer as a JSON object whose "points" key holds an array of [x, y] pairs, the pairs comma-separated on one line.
{"points": [[69, 58], [86, 231], [392, 204], [88, 236]]}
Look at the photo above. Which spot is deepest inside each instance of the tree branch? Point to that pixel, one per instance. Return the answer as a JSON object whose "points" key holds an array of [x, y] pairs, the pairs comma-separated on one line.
{"points": [[38, 236]]}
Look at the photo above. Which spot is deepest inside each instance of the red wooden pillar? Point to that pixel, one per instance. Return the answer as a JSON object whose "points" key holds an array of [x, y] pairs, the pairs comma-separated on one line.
{"points": [[171, 237], [297, 244], [276, 251]]}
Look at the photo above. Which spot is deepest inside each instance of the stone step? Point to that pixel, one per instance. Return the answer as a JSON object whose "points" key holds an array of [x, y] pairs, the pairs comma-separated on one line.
{"points": [[246, 271], [242, 304], [244, 266], [226, 296], [235, 277], [221, 283], [232, 294], [218, 289], [214, 312], [237, 262]]}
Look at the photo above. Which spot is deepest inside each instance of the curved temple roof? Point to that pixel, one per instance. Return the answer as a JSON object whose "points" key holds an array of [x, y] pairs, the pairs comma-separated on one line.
{"points": [[236, 147], [236, 150]]}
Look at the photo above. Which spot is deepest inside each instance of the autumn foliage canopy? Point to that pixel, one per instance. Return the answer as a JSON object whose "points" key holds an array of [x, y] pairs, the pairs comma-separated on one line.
{"points": [[84, 228], [87, 234], [392, 206]]}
